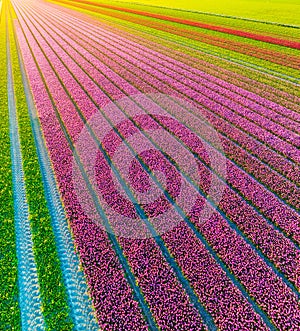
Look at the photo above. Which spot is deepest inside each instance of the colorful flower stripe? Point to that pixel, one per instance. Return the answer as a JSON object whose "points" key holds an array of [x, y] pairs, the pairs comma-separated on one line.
{"points": [[269, 55], [194, 54], [268, 39], [285, 222], [218, 42]]}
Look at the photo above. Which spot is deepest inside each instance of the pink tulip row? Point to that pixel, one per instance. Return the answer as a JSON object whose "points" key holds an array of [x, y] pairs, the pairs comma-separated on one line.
{"points": [[286, 190]]}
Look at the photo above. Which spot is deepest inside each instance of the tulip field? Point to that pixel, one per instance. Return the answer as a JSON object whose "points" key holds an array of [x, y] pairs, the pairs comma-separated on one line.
{"points": [[150, 175]]}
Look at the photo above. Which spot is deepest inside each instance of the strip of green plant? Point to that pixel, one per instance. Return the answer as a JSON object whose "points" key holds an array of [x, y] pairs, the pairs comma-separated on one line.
{"points": [[54, 297], [220, 50], [173, 42], [216, 21], [10, 318], [208, 17], [194, 43]]}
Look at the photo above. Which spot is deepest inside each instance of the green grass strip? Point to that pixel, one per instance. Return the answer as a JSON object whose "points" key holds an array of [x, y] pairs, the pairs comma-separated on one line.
{"points": [[281, 69], [284, 12], [265, 29], [207, 16], [54, 299], [10, 318]]}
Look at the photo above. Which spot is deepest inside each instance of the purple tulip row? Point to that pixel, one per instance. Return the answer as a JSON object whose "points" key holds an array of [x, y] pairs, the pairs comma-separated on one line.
{"points": [[286, 167], [250, 100], [154, 277], [274, 208]]}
